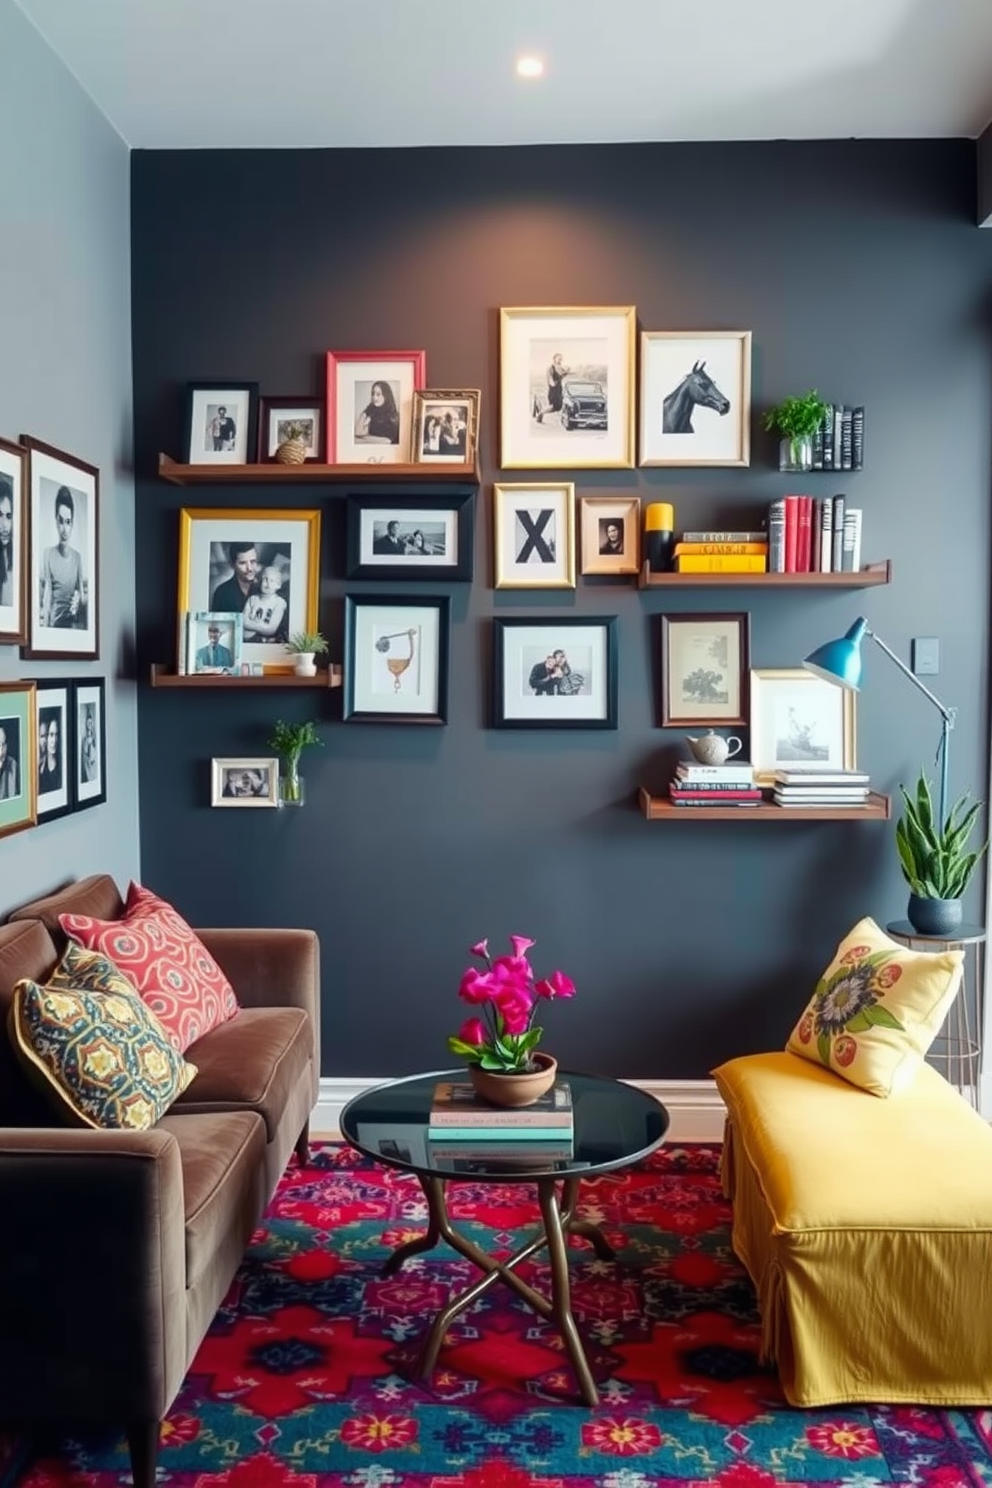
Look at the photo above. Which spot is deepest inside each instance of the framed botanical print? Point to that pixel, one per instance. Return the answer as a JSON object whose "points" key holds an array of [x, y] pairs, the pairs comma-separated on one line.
{"points": [[695, 398], [13, 543], [89, 743], [297, 421], [559, 673], [220, 422], [64, 590], [799, 721], [534, 535], [610, 529], [53, 712], [445, 426], [262, 564], [566, 387], [705, 661], [370, 405], [396, 659], [244, 782], [429, 537], [18, 757]]}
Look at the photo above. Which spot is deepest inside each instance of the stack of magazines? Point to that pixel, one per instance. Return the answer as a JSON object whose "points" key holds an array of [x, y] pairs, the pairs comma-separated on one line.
{"points": [[813, 787], [464, 1127]]}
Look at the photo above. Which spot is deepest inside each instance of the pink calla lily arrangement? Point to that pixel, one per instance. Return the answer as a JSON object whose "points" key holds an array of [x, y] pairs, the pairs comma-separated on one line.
{"points": [[501, 1035]]}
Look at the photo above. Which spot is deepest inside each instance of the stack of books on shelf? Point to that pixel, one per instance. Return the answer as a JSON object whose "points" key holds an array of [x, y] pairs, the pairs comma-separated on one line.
{"points": [[839, 443], [813, 787], [463, 1126], [721, 552], [813, 534], [731, 784]]}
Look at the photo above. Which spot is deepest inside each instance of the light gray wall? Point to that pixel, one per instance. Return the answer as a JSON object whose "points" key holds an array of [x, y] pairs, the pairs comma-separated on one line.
{"points": [[65, 377]]}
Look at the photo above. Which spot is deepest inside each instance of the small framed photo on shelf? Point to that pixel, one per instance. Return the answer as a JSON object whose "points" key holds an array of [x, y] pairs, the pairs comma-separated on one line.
{"points": [[431, 538], [220, 422], [566, 387], [244, 782], [370, 406], [611, 534], [89, 743], [13, 543], [695, 398], [261, 564], [534, 535], [298, 422], [799, 721], [445, 425], [396, 659], [213, 642], [559, 673], [64, 591], [18, 757], [705, 663], [53, 710]]}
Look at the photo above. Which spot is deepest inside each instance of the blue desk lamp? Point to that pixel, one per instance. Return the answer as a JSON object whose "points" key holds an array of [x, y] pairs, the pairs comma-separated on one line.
{"points": [[840, 662]]}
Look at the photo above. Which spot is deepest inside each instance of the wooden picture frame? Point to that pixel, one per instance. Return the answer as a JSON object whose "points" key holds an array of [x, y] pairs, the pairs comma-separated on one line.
{"points": [[54, 718], [220, 425], [18, 757], [610, 528], [369, 403], [13, 543], [566, 387], [446, 426], [89, 743], [695, 398], [705, 669], [555, 673], [396, 659], [64, 594], [282, 418], [244, 782], [424, 537], [534, 535], [800, 721]]}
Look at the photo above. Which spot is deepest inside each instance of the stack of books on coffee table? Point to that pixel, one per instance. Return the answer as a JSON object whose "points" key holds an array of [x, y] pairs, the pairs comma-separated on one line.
{"points": [[462, 1125], [812, 787], [731, 784]]}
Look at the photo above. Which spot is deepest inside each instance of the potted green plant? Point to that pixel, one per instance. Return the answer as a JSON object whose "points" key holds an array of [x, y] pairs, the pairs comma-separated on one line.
{"points": [[935, 859], [797, 420], [304, 646], [289, 741]]}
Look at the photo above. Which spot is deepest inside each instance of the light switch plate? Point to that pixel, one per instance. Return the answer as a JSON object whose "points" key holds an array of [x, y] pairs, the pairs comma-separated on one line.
{"points": [[926, 656]]}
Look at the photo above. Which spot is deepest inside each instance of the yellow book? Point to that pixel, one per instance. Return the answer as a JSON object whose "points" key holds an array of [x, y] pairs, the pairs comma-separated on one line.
{"points": [[720, 547], [720, 563]]}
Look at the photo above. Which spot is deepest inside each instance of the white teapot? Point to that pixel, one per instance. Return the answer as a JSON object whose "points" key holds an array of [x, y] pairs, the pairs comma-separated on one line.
{"points": [[714, 749]]}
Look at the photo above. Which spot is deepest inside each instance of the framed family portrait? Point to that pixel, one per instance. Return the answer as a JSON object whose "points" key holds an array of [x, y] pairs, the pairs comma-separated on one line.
{"points": [[13, 543], [284, 419], [534, 535], [610, 529], [555, 673], [695, 398], [220, 423], [566, 387], [213, 643], [64, 594], [54, 718], [370, 406], [705, 661], [244, 782], [263, 565], [396, 659], [431, 537], [799, 721], [445, 425], [89, 743], [18, 757]]}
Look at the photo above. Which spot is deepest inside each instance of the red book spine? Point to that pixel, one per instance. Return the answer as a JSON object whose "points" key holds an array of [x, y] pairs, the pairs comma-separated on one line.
{"points": [[791, 532], [804, 538], [746, 793]]}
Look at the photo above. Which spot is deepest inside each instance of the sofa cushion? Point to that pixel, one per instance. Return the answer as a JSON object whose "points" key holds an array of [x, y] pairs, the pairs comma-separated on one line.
{"points": [[877, 1009], [255, 1061], [97, 896], [165, 960], [102, 1054]]}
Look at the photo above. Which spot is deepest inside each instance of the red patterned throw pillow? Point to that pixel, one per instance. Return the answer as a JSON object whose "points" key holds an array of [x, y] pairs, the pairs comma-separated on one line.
{"points": [[169, 965]]}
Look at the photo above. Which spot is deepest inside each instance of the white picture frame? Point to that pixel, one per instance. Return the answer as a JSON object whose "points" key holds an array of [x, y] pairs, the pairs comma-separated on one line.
{"points": [[244, 782], [695, 404], [800, 721]]}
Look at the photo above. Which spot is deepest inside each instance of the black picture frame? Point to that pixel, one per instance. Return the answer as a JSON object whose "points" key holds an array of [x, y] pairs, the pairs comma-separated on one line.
{"points": [[91, 790], [54, 766], [405, 637], [445, 522], [579, 693], [269, 408], [232, 391]]}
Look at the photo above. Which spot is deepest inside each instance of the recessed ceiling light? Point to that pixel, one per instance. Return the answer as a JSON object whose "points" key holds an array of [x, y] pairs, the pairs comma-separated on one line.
{"points": [[530, 67]]}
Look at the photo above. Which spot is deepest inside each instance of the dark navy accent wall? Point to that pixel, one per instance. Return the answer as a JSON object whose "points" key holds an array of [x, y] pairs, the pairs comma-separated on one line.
{"points": [[859, 269]]}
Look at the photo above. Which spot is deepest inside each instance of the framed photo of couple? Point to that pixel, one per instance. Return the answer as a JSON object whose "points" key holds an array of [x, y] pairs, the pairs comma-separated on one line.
{"points": [[430, 537], [558, 673], [445, 426], [244, 782]]}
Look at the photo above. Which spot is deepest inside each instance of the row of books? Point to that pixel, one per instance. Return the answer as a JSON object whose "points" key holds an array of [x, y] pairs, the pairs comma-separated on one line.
{"points": [[841, 788], [733, 552], [813, 534], [459, 1115], [731, 784], [839, 443]]}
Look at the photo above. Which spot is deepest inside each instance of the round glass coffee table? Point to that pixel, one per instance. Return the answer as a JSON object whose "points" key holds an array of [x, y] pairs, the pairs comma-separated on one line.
{"points": [[614, 1125]]}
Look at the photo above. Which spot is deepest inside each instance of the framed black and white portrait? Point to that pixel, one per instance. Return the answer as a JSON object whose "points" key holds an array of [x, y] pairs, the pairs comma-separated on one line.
{"points": [[429, 537], [18, 757], [89, 743], [534, 535], [558, 673], [53, 713], [244, 782], [611, 534], [370, 405], [396, 659], [220, 422], [445, 426], [13, 543], [695, 398], [63, 616]]}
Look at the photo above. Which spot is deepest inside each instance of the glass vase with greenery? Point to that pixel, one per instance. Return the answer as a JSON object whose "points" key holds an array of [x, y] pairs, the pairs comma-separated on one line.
{"points": [[289, 741], [797, 419]]}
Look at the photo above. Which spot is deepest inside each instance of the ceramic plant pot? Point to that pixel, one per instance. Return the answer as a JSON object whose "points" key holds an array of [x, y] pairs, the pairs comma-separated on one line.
{"points": [[514, 1090], [304, 664], [934, 916]]}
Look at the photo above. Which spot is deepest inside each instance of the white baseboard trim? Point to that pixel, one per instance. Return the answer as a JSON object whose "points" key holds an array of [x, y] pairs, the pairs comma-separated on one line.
{"points": [[696, 1109]]}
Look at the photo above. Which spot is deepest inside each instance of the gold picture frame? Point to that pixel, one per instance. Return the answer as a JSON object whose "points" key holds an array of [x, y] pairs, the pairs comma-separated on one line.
{"points": [[534, 535], [695, 401], [566, 387], [800, 721], [18, 757], [445, 425], [610, 534]]}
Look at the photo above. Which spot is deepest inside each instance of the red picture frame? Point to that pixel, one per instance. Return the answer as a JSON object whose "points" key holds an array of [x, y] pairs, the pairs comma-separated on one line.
{"points": [[370, 405]]}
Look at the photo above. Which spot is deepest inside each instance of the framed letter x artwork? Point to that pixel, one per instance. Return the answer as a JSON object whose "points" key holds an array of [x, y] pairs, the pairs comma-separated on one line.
{"points": [[534, 526]]}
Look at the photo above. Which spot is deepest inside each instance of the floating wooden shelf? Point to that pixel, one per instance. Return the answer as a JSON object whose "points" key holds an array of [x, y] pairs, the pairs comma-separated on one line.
{"points": [[310, 474], [660, 808], [864, 578], [162, 677]]}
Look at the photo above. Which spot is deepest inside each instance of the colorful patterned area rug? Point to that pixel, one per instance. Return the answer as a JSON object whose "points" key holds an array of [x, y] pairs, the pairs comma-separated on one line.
{"points": [[302, 1378]]}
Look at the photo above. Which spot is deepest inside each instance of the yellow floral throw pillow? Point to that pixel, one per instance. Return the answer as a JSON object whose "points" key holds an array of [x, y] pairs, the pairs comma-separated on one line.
{"points": [[100, 1051], [877, 1009]]}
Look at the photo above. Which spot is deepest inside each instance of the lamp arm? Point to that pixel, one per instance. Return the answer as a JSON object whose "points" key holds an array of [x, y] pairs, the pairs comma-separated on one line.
{"points": [[946, 713]]}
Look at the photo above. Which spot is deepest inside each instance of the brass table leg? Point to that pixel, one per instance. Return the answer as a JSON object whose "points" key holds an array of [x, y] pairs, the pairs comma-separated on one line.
{"points": [[561, 1297]]}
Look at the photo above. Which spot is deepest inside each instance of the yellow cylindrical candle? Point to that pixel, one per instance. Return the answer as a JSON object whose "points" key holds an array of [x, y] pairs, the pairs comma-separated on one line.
{"points": [[659, 516], [659, 535]]}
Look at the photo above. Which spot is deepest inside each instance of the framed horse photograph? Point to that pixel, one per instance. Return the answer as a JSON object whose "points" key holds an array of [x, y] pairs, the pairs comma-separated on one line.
{"points": [[695, 398]]}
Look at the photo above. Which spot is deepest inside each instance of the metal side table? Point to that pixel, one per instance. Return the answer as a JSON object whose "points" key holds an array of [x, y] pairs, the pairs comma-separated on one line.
{"points": [[957, 1049]]}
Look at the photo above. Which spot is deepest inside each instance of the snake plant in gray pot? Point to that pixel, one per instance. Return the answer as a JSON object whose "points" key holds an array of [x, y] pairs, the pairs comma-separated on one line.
{"points": [[935, 858]]}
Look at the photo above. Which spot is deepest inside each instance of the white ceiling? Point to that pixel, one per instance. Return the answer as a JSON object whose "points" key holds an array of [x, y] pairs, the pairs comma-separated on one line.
{"points": [[191, 74]]}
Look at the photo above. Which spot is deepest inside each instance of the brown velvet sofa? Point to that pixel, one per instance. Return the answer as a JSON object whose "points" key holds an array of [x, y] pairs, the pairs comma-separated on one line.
{"points": [[118, 1247]]}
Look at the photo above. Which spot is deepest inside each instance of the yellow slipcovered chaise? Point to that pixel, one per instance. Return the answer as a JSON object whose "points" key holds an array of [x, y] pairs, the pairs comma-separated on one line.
{"points": [[866, 1227]]}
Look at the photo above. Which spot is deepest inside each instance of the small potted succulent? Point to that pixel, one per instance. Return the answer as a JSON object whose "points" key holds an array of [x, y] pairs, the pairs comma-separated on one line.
{"points": [[304, 647], [797, 419], [289, 741]]}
